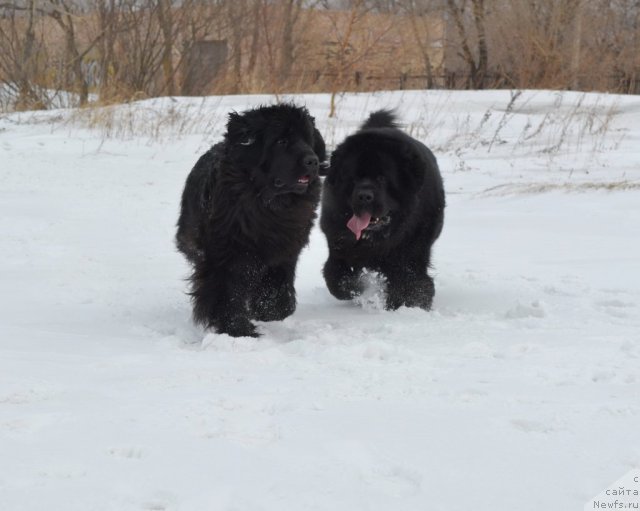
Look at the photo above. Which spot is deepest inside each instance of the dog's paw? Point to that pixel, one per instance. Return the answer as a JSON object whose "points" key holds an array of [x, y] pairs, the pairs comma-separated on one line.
{"points": [[239, 326], [275, 306], [346, 288], [418, 294]]}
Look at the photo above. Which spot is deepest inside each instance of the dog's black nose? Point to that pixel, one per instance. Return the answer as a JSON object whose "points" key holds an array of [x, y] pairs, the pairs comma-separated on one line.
{"points": [[311, 163], [364, 196]]}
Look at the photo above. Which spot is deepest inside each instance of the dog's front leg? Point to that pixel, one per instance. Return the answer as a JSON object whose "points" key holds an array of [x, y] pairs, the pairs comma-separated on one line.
{"points": [[220, 299], [343, 280], [408, 285], [274, 297]]}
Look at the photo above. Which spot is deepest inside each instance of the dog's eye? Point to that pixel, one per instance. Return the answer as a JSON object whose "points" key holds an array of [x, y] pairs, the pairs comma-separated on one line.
{"points": [[282, 141], [247, 141]]}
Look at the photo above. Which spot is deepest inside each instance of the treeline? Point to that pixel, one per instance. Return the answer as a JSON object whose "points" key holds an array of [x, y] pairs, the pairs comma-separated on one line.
{"points": [[123, 49]]}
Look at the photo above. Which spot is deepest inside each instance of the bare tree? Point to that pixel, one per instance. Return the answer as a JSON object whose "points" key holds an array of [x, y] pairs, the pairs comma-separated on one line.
{"points": [[255, 37], [166, 21], [477, 62], [290, 15], [538, 43], [64, 14], [19, 47], [354, 39], [419, 12], [143, 48], [107, 20], [270, 60], [341, 55]]}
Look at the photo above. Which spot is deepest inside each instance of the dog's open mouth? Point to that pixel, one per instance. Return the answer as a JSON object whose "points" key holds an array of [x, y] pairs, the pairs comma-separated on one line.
{"points": [[301, 185], [379, 221], [366, 222]]}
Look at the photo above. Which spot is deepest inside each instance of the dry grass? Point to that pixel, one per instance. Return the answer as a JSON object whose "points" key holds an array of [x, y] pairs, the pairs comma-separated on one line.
{"points": [[152, 119], [537, 188], [571, 132], [578, 124]]}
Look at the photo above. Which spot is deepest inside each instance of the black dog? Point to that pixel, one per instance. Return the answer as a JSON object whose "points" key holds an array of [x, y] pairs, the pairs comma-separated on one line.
{"points": [[382, 209], [247, 209]]}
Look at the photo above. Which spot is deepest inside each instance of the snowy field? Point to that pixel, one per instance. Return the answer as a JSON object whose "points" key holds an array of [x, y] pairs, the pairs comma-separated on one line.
{"points": [[519, 391]]}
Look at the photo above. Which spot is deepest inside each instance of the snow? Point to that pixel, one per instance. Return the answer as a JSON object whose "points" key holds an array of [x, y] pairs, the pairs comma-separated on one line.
{"points": [[520, 390]]}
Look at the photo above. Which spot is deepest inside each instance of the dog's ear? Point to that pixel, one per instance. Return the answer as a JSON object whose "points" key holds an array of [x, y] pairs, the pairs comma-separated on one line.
{"points": [[319, 146], [414, 165], [238, 131], [333, 165], [320, 149]]}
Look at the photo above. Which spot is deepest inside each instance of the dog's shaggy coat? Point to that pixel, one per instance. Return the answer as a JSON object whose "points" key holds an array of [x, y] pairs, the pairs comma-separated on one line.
{"points": [[382, 209], [247, 208]]}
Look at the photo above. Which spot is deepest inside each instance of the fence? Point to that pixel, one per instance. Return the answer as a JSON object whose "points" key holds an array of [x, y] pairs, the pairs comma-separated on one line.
{"points": [[359, 81]]}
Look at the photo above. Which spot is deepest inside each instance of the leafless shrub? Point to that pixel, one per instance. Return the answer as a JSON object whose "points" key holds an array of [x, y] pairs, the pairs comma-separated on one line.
{"points": [[508, 113], [573, 124]]}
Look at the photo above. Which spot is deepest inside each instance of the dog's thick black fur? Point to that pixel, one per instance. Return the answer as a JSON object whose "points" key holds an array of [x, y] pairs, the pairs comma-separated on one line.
{"points": [[247, 208], [382, 209]]}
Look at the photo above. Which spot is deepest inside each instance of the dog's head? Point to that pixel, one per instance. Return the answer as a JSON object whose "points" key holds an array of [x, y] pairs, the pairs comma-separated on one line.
{"points": [[374, 176], [278, 146]]}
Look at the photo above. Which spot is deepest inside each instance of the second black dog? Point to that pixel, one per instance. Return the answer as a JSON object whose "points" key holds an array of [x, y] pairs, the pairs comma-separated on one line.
{"points": [[247, 209], [382, 209]]}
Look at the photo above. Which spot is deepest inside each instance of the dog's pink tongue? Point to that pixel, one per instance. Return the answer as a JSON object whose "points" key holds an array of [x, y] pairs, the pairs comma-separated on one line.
{"points": [[357, 224]]}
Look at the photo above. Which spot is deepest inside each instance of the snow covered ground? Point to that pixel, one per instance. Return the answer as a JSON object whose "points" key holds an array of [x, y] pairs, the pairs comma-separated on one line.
{"points": [[519, 391]]}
